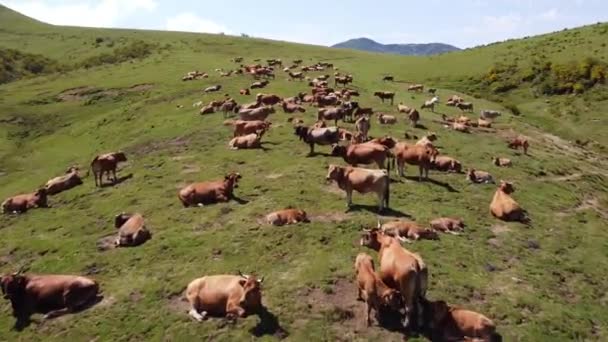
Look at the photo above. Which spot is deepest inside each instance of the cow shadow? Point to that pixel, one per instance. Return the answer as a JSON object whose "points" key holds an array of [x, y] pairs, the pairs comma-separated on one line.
{"points": [[316, 154], [421, 126], [119, 180], [268, 325], [239, 200], [22, 323], [374, 209], [444, 185]]}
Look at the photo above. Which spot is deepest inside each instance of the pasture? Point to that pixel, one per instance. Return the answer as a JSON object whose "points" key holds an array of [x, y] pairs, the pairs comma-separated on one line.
{"points": [[544, 281]]}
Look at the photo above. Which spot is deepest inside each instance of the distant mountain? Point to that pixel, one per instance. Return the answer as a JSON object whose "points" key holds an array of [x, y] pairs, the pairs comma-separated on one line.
{"points": [[367, 44]]}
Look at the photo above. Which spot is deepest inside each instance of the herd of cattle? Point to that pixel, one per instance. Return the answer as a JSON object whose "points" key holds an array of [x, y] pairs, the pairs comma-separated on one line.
{"points": [[398, 286]]}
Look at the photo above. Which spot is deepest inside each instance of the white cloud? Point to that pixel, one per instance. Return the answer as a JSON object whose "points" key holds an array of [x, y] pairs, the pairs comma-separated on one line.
{"points": [[550, 15], [190, 22], [104, 13]]}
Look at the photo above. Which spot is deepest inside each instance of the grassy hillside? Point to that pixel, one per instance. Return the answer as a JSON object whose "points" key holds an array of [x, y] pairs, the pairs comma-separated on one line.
{"points": [[538, 283]]}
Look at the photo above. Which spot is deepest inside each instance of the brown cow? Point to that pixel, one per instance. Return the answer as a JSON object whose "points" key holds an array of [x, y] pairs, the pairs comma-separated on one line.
{"points": [[268, 99], [291, 108], [504, 207], [427, 140], [423, 156], [317, 135], [448, 323], [502, 162], [448, 225], [363, 181], [335, 113], [244, 91], [296, 75], [363, 125], [385, 95], [446, 164], [372, 290], [355, 154], [403, 108], [62, 183], [484, 123], [286, 217], [210, 192], [400, 269], [208, 109], [21, 203], [386, 119], [228, 106], [255, 114], [231, 296], [519, 142], [465, 106], [52, 295], [259, 85], [386, 140], [416, 87], [242, 128], [212, 89], [248, 141], [106, 163], [406, 231], [479, 177], [414, 117], [132, 230]]}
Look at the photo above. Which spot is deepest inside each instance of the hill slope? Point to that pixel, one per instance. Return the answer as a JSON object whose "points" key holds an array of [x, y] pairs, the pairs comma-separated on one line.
{"points": [[545, 281], [366, 44]]}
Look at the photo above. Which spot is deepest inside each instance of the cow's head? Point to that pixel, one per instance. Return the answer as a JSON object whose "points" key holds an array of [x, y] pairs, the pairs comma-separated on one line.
{"points": [[429, 234], [433, 152], [435, 312], [496, 161], [471, 174], [41, 199], [13, 285], [507, 187], [335, 172], [387, 141], [302, 216], [369, 238], [301, 131], [455, 166], [121, 219], [391, 298], [233, 179], [252, 294], [338, 150], [120, 156]]}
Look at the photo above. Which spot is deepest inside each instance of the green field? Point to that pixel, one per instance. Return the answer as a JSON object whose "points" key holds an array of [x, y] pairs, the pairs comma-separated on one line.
{"points": [[546, 282]]}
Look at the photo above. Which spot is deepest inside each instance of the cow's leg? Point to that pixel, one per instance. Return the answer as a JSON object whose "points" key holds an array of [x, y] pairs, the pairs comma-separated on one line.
{"points": [[359, 296], [196, 315], [381, 201], [312, 149], [420, 171], [368, 309], [402, 239], [400, 167], [233, 310], [349, 198]]}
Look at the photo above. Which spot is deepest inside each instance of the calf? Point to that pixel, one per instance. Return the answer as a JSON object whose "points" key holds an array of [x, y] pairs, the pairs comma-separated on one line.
{"points": [[407, 230], [212, 89], [209, 192], [448, 225], [363, 181], [208, 109], [502, 162], [504, 207], [52, 295], [21, 203], [519, 142], [386, 119], [414, 117], [248, 141], [106, 163], [465, 106], [449, 323], [62, 183], [132, 230], [286, 217], [228, 296], [446, 164], [416, 87], [372, 290], [479, 177], [403, 108], [388, 78], [268, 99], [423, 156], [401, 270], [489, 114]]}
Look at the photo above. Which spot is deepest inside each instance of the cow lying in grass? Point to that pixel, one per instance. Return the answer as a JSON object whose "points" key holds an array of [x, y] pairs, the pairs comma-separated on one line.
{"points": [[21, 203], [62, 183], [132, 230], [504, 207], [287, 217], [203, 193]]}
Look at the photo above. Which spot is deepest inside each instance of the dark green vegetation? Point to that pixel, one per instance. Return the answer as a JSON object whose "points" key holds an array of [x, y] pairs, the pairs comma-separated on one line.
{"points": [[366, 44], [544, 282]]}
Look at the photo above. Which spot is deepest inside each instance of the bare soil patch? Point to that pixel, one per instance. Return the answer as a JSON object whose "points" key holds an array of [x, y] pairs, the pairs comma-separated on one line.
{"points": [[274, 175], [331, 217], [178, 303], [140, 87], [190, 168], [78, 93], [106, 243], [498, 229]]}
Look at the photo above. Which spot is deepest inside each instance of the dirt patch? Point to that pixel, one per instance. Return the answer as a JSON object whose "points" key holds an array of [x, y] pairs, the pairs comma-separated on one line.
{"points": [[78, 94], [140, 87], [135, 296], [178, 303], [331, 217], [592, 203], [179, 158], [174, 145], [106, 243], [339, 300], [334, 189]]}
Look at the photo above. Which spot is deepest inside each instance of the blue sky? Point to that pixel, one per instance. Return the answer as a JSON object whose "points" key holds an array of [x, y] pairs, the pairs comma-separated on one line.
{"points": [[464, 23]]}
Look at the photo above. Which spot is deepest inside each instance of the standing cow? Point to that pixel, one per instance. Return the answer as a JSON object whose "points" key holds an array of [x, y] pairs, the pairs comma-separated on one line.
{"points": [[363, 181], [106, 163]]}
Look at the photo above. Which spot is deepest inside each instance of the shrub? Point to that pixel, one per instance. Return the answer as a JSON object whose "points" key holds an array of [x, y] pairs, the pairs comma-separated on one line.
{"points": [[513, 108], [136, 50]]}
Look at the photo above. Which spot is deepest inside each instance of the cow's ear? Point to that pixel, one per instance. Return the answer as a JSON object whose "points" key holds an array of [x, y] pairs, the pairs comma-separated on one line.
{"points": [[242, 282]]}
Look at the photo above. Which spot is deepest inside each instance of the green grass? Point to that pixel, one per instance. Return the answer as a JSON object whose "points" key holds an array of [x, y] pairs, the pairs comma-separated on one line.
{"points": [[555, 292]]}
